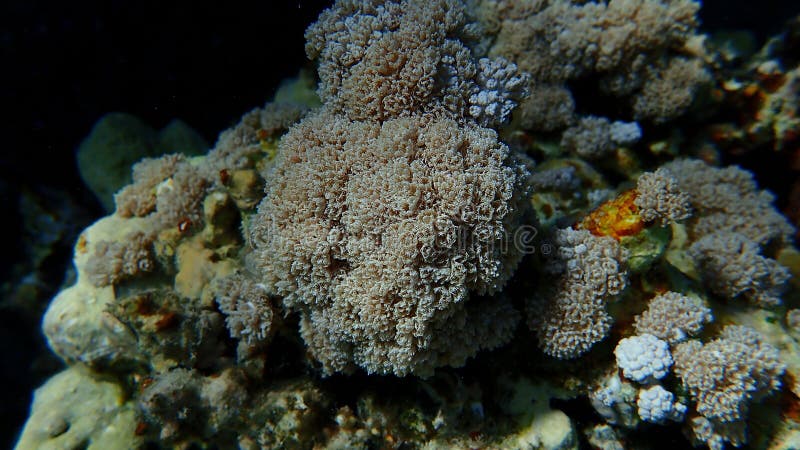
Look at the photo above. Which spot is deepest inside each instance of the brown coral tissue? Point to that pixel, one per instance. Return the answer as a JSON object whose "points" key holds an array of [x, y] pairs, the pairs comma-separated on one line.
{"points": [[377, 234]]}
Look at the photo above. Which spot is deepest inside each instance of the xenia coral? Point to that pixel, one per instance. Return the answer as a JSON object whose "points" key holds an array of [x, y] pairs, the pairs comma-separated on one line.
{"points": [[247, 309], [643, 358], [238, 146], [377, 234], [381, 232], [391, 206], [669, 88], [659, 199], [637, 50], [594, 137], [728, 373], [569, 315], [656, 404], [114, 261], [139, 197], [380, 59], [728, 199], [673, 317], [725, 376], [733, 224], [166, 190], [733, 267]]}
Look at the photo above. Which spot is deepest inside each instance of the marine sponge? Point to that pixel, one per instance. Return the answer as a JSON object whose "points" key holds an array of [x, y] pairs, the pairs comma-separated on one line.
{"points": [[732, 265], [673, 317], [643, 358], [569, 316], [659, 199], [378, 233]]}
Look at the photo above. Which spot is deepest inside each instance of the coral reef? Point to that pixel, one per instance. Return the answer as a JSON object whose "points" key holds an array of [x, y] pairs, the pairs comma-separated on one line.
{"points": [[734, 268], [385, 209], [348, 266], [594, 137], [727, 199], [114, 261], [733, 224], [248, 311]]}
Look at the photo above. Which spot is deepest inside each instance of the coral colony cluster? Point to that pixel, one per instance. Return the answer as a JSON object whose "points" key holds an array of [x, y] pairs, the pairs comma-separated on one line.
{"points": [[498, 224]]}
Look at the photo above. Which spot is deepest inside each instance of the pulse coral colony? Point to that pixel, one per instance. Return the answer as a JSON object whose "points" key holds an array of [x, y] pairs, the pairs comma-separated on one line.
{"points": [[372, 231]]}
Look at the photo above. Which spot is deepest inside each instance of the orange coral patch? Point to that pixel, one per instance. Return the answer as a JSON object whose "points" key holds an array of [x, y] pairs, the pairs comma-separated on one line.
{"points": [[616, 218]]}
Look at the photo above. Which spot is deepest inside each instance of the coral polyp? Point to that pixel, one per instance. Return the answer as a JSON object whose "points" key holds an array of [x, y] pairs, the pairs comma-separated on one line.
{"points": [[486, 224]]}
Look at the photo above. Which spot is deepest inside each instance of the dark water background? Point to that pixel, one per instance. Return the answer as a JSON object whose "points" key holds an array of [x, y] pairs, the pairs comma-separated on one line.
{"points": [[65, 64]]}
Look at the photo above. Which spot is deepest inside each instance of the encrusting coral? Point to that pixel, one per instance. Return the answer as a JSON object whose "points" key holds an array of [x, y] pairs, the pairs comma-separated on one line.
{"points": [[248, 310]]}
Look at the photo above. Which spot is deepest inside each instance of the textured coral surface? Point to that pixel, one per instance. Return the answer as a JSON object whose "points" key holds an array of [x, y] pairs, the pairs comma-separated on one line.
{"points": [[485, 224]]}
